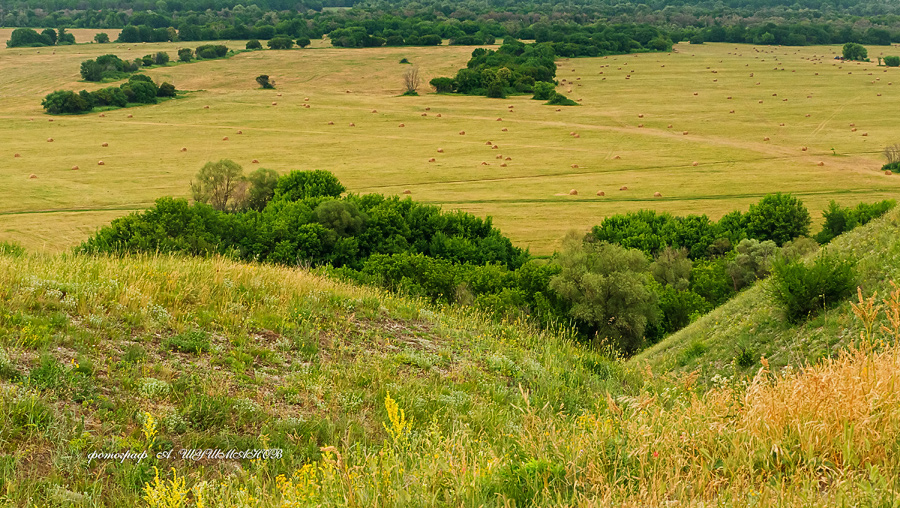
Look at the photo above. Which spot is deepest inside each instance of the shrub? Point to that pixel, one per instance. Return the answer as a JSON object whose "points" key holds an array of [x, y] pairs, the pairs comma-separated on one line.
{"points": [[558, 99], [185, 54], [543, 90], [696, 39], [253, 44], [442, 85], [26, 37], [195, 341], [405, 61], [298, 185], [101, 38], [166, 90], [262, 188], [280, 42], [892, 61], [147, 60], [303, 42], [161, 58], [264, 81], [778, 217], [854, 51], [804, 290], [64, 101]]}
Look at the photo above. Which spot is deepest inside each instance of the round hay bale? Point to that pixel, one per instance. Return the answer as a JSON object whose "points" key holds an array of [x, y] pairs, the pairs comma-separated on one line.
{"points": [[278, 95], [640, 115], [50, 120], [74, 168], [205, 107], [684, 133], [374, 111], [438, 115], [657, 194], [307, 106], [432, 159], [774, 95], [807, 115], [104, 145], [669, 126], [348, 91], [579, 100], [225, 138], [878, 94], [484, 163], [407, 191], [502, 164], [601, 193], [330, 123], [865, 133], [402, 125], [695, 93], [821, 163], [574, 166], [624, 187], [499, 156], [499, 119], [352, 124], [130, 116], [729, 97], [888, 172], [428, 109], [440, 150], [240, 132], [695, 163], [102, 115], [766, 138], [577, 136], [274, 103], [504, 129], [183, 149], [617, 157], [510, 106], [462, 133], [640, 126], [853, 129], [573, 192], [101, 163], [489, 143], [509, 158], [254, 161], [32, 176], [760, 102], [852, 125], [803, 149], [17, 155], [731, 111], [494, 147], [558, 110], [572, 133], [781, 125], [49, 140], [424, 114]]}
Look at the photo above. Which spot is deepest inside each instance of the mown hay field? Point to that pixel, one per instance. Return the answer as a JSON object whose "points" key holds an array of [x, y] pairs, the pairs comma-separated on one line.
{"points": [[740, 156]]}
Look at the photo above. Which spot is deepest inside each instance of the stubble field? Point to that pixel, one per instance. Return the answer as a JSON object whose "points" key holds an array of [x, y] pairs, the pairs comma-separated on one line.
{"points": [[739, 156]]}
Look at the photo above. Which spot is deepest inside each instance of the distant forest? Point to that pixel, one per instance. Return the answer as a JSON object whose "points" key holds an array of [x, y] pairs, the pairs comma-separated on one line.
{"points": [[403, 22]]}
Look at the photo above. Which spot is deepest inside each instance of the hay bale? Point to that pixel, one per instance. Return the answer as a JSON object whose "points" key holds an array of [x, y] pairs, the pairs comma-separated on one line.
{"points": [[853, 129], [348, 91], [803, 149], [865, 133], [74, 168], [852, 125], [509, 158], [402, 125], [684, 133], [888, 172], [332, 123], [499, 156], [254, 161], [502, 164], [278, 95], [489, 143], [624, 187], [577, 136], [205, 107], [572, 133], [729, 97], [17, 155], [130, 116], [695, 93], [821, 163], [352, 124], [640, 115], [760, 102], [766, 138], [183, 149], [462, 133], [669, 126], [274, 103], [101, 163], [601, 193], [573, 192], [781, 125], [438, 115], [440, 150], [558, 110], [50, 120], [504, 129], [657, 194], [878, 94], [499, 119], [49, 140], [484, 163], [225, 138], [731, 111], [617, 157], [32, 176], [428, 109], [695, 163], [102, 115], [407, 191], [640, 126], [104, 145], [574, 166], [432, 159], [240, 132], [807, 115], [424, 114], [374, 111], [510, 106], [307, 106], [494, 147]]}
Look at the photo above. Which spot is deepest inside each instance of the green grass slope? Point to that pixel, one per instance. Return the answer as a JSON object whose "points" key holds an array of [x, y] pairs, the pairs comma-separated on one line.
{"points": [[731, 339], [161, 353]]}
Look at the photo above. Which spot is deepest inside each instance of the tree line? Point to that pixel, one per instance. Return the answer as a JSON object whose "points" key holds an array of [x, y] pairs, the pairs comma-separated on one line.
{"points": [[138, 90], [632, 280]]}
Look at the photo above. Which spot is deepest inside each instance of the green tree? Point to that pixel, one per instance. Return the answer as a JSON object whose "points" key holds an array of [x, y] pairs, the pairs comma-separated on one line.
{"points": [[64, 101], [543, 90], [608, 289], [50, 35], [253, 44], [892, 61], [805, 290], [280, 42], [265, 82], [753, 260], [26, 37], [185, 54], [101, 38], [443, 85], [166, 90], [672, 268], [217, 183], [342, 217], [298, 185], [778, 217], [161, 58], [303, 41], [262, 188], [854, 51]]}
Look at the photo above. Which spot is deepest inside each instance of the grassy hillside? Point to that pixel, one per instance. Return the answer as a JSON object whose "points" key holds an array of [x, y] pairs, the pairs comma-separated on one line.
{"points": [[528, 197], [375, 400], [752, 324]]}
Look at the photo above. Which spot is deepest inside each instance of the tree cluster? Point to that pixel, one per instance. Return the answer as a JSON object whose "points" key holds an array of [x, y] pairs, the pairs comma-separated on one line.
{"points": [[139, 89], [28, 38]]}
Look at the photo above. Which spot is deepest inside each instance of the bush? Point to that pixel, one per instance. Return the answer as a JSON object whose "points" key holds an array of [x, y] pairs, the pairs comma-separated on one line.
{"points": [[185, 54], [219, 183], [195, 342], [303, 42], [64, 101], [147, 60], [853, 51], [264, 81], [543, 90], [253, 44], [778, 217], [27, 38], [166, 90], [892, 61], [101, 38], [804, 290], [262, 188], [280, 42], [298, 185], [161, 58], [558, 99], [442, 85]]}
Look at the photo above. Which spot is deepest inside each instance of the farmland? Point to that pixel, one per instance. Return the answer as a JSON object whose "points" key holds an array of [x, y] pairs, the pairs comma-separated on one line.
{"points": [[739, 156]]}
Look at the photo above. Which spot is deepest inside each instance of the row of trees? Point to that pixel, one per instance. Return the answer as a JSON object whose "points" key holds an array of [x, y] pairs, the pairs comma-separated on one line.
{"points": [[139, 89], [629, 282], [28, 38]]}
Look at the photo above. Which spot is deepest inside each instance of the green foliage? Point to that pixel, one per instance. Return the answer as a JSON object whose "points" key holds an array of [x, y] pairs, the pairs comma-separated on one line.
{"points": [[543, 90], [892, 61], [253, 44], [303, 41], [262, 188], [11, 249], [558, 99], [101, 38], [778, 217], [299, 185], [185, 54], [280, 43], [404, 60], [442, 85], [161, 58], [839, 219], [751, 262], [27, 38], [854, 51], [264, 82], [195, 342], [64, 101], [219, 183], [677, 308], [211, 51], [804, 290], [166, 90], [609, 289], [672, 267]]}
